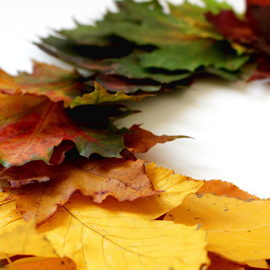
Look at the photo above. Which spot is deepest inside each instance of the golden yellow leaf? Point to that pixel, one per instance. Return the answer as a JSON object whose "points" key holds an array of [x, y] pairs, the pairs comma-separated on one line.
{"points": [[25, 240], [44, 264], [236, 229], [98, 237], [175, 186], [115, 234]]}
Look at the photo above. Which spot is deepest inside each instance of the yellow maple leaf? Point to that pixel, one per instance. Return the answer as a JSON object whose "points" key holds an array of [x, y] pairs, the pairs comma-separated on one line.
{"points": [[114, 235], [24, 240], [97, 237], [236, 229]]}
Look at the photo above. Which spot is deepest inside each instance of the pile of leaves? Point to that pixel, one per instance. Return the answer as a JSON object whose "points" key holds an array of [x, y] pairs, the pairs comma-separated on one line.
{"points": [[78, 198]]}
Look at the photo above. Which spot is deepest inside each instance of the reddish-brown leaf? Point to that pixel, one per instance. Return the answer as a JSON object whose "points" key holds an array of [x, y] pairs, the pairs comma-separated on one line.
{"points": [[31, 126], [220, 263], [230, 26], [142, 140], [122, 179], [35, 171], [56, 83]]}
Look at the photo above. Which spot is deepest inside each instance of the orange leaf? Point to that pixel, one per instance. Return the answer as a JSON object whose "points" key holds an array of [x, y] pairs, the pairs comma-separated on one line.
{"points": [[35, 171], [220, 188], [44, 264], [122, 179]]}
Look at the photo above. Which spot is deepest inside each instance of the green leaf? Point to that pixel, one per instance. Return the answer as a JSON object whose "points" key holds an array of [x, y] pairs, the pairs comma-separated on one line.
{"points": [[190, 55]]}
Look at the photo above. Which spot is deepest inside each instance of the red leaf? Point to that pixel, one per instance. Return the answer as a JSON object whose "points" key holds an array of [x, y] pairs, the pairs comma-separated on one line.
{"points": [[31, 126]]}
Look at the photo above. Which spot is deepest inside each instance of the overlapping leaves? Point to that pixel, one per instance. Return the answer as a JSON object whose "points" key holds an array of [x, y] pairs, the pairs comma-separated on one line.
{"points": [[78, 193], [150, 48]]}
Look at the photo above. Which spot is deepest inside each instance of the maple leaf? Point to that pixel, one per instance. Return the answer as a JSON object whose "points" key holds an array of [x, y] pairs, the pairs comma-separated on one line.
{"points": [[35, 125], [56, 83], [236, 229], [60, 85], [26, 241], [122, 179], [100, 95], [127, 45], [220, 188], [251, 31], [140, 141], [80, 230]]}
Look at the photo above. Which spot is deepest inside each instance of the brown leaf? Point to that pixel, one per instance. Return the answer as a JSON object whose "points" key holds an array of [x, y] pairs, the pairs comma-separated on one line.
{"points": [[142, 140], [122, 179]]}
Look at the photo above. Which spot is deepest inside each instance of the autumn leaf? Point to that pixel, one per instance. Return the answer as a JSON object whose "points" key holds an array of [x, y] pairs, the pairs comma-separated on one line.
{"points": [[81, 230], [122, 179], [251, 31], [126, 45], [24, 240], [46, 80], [100, 95], [220, 188], [30, 128], [60, 85], [44, 264], [218, 262], [142, 140], [236, 229]]}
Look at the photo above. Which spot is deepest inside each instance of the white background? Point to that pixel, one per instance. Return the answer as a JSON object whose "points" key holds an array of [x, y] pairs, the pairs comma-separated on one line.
{"points": [[229, 121]]}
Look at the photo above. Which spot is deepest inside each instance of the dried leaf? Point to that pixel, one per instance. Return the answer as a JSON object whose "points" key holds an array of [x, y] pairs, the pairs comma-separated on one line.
{"points": [[236, 229], [122, 179], [41, 201]]}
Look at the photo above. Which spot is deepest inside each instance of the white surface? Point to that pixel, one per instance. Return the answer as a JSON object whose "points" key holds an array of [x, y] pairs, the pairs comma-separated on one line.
{"points": [[229, 121]]}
